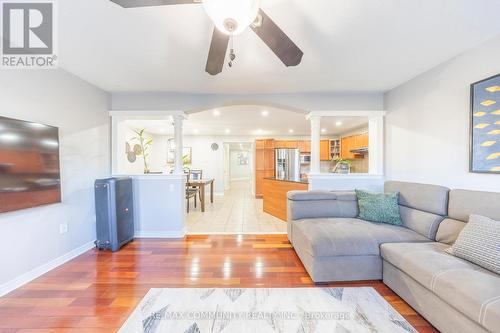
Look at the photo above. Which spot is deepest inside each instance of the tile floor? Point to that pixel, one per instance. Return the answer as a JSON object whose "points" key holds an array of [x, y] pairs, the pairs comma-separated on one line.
{"points": [[238, 211]]}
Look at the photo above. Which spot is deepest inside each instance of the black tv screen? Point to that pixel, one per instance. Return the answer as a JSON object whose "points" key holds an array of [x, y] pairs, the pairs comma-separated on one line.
{"points": [[29, 165]]}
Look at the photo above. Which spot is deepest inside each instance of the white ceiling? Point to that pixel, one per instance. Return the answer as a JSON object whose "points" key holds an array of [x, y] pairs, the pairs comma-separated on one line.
{"points": [[247, 120], [349, 45]]}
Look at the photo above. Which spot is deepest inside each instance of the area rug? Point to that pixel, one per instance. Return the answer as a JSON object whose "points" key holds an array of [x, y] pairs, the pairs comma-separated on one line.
{"points": [[263, 310]]}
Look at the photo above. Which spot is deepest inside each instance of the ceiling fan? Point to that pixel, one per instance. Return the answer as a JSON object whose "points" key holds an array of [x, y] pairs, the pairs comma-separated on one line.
{"points": [[232, 17]]}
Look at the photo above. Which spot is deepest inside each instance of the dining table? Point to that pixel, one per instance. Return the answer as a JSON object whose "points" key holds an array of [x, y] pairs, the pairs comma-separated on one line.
{"points": [[201, 185]]}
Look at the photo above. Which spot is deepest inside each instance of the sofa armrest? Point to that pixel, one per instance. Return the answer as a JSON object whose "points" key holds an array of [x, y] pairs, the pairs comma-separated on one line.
{"points": [[321, 204]]}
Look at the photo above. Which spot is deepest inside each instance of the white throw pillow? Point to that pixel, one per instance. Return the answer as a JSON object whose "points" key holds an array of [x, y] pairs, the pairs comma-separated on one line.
{"points": [[479, 242]]}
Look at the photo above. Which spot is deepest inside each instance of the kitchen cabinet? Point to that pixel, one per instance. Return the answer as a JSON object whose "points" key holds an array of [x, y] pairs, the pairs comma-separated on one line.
{"points": [[264, 163], [324, 150], [346, 146], [275, 192], [361, 141], [280, 144], [304, 146], [353, 142]]}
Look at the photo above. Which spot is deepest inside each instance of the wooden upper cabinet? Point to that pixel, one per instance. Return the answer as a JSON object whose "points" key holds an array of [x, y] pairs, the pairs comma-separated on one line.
{"points": [[260, 158], [353, 142], [324, 150], [280, 144], [361, 141], [292, 144], [304, 146], [269, 160], [269, 143], [259, 144], [347, 144], [264, 162]]}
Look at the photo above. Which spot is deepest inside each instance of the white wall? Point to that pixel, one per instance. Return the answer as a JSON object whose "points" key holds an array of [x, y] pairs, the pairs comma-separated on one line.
{"points": [[237, 171], [194, 102], [159, 206], [30, 238], [427, 125]]}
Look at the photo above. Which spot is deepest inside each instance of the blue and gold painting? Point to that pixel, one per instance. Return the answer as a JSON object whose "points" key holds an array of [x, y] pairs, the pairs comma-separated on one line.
{"points": [[485, 126]]}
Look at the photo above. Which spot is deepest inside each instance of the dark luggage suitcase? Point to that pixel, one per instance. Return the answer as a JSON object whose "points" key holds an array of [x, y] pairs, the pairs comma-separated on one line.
{"points": [[114, 213]]}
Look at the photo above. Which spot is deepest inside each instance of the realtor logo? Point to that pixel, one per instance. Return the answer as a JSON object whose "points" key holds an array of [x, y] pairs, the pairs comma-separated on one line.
{"points": [[28, 34]]}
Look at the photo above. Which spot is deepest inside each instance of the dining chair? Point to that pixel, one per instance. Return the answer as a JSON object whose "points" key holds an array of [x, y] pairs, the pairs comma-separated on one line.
{"points": [[191, 192], [196, 174]]}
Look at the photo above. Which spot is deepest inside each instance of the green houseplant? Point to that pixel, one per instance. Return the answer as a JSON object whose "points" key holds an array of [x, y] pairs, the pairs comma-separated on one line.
{"points": [[342, 166], [145, 145]]}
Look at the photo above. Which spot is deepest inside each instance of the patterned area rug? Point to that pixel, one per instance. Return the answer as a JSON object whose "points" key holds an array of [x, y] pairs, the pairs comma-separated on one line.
{"points": [[275, 310]]}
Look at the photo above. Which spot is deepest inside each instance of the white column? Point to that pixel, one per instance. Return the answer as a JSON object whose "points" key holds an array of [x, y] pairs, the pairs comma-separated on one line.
{"points": [[376, 145], [315, 143], [178, 165]]}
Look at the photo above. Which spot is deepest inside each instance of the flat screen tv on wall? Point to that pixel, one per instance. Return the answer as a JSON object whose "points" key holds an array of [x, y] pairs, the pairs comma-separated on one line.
{"points": [[29, 165]]}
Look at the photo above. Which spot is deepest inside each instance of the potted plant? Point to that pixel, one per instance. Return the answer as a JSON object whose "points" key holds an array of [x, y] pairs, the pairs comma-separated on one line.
{"points": [[144, 147], [342, 166]]}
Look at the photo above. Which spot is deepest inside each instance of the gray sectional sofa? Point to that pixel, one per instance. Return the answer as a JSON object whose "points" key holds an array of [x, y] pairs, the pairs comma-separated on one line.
{"points": [[453, 294]]}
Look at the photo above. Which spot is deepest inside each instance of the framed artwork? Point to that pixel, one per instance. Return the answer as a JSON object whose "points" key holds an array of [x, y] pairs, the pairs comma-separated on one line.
{"points": [[484, 155], [242, 158]]}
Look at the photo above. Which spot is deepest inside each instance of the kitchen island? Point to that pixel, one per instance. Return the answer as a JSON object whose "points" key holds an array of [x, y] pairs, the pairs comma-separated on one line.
{"points": [[274, 194]]}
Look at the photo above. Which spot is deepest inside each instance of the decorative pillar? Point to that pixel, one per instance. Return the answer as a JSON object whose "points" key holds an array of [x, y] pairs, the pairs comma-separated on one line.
{"points": [[178, 165], [315, 143], [376, 144]]}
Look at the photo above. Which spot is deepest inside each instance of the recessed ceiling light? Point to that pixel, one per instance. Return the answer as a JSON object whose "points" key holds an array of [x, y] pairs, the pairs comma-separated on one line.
{"points": [[195, 131], [227, 131], [265, 113], [338, 123], [290, 130], [259, 131], [323, 130], [216, 113]]}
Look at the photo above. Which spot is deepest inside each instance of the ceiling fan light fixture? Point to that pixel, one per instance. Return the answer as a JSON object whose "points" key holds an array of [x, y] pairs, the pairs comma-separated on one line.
{"points": [[232, 17]]}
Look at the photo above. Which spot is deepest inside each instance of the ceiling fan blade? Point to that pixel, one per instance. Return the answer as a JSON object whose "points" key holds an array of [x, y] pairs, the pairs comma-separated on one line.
{"points": [[217, 53], [147, 3], [277, 40]]}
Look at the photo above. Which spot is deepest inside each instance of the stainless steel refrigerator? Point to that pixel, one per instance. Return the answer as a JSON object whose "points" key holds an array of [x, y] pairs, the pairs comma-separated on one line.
{"points": [[287, 163]]}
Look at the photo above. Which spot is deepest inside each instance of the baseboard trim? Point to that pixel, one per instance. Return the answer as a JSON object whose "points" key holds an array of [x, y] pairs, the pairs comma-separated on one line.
{"points": [[160, 234], [40, 270]]}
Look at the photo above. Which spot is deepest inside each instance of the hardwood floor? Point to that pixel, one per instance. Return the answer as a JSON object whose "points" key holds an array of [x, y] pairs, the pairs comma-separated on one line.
{"points": [[97, 291]]}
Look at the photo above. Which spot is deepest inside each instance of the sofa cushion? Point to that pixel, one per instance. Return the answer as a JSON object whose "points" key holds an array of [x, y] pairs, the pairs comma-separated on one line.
{"points": [[379, 207], [422, 207], [479, 243], [448, 230], [470, 289], [428, 198], [462, 204], [309, 204], [347, 236], [321, 195], [422, 222]]}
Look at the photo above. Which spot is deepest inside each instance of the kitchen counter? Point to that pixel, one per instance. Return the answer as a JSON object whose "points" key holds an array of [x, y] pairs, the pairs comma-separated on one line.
{"points": [[301, 181], [275, 195]]}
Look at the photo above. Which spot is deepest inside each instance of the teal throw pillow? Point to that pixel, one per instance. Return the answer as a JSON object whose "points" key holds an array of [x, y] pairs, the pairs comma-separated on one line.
{"points": [[379, 207]]}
